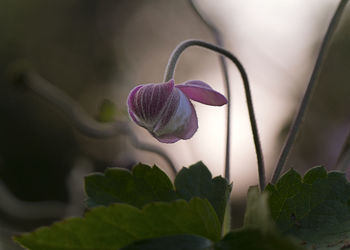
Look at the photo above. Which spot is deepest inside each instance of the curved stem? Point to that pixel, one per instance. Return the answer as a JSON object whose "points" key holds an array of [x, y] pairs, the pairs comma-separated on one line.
{"points": [[169, 73], [300, 115], [343, 161], [218, 40], [83, 122]]}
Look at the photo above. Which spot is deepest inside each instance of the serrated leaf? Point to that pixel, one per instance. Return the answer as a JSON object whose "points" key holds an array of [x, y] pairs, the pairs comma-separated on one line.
{"points": [[259, 230], [145, 184], [139, 187], [251, 239], [257, 214], [314, 208], [196, 181], [119, 225], [176, 242]]}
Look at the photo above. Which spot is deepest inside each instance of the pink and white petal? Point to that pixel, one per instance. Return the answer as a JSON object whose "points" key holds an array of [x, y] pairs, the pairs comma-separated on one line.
{"points": [[134, 118], [146, 101], [167, 139], [201, 92], [191, 126], [131, 104], [184, 133], [156, 96], [169, 111]]}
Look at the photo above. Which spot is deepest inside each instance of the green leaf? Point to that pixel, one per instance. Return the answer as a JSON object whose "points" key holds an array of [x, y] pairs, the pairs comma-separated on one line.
{"points": [[259, 230], [145, 184], [139, 187], [176, 242], [257, 214], [314, 208], [251, 239], [119, 225], [196, 181]]}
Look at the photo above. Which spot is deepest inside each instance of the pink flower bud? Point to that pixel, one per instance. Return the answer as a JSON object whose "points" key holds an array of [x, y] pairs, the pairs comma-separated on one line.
{"points": [[165, 110]]}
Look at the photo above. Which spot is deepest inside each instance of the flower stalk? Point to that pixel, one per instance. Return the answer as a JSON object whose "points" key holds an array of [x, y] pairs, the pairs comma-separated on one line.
{"points": [[218, 40], [306, 99], [169, 74]]}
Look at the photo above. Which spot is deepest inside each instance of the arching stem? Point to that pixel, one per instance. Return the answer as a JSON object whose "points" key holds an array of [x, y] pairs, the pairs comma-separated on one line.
{"points": [[218, 40], [305, 101], [169, 74], [343, 161]]}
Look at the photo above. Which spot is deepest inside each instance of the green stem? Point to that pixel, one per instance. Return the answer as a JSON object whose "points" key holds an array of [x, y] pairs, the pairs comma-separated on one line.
{"points": [[305, 101], [169, 74], [343, 161], [218, 40]]}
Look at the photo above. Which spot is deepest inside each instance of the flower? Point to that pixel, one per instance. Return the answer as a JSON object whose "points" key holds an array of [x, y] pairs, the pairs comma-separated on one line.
{"points": [[165, 110]]}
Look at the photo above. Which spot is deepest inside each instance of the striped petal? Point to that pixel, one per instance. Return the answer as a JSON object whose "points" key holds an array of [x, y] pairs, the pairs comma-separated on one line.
{"points": [[146, 103], [165, 110], [182, 125], [201, 92]]}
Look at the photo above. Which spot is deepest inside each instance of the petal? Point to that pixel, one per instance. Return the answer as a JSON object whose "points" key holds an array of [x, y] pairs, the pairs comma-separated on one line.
{"points": [[146, 102], [201, 92], [131, 107], [168, 112], [182, 125]]}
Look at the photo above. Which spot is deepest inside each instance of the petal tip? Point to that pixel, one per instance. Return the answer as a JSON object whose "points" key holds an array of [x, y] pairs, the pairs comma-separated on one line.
{"points": [[201, 92]]}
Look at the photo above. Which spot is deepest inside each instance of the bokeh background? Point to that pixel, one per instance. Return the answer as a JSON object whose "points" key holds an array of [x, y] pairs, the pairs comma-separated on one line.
{"points": [[96, 51]]}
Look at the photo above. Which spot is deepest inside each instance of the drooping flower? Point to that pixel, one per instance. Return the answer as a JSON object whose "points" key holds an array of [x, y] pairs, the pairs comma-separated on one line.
{"points": [[165, 110]]}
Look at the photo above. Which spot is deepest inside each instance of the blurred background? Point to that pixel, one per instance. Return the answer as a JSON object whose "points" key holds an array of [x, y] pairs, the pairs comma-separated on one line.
{"points": [[97, 51]]}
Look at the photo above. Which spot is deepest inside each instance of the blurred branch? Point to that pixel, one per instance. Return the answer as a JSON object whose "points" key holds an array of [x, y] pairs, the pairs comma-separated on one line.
{"points": [[218, 40], [17, 208], [29, 210], [307, 96], [82, 121]]}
